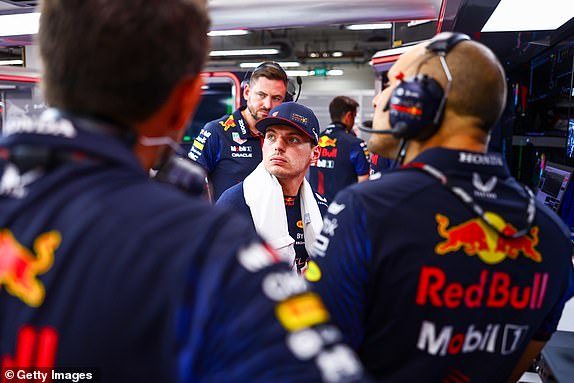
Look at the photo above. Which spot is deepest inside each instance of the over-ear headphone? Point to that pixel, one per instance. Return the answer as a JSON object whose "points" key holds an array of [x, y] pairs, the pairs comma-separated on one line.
{"points": [[417, 104], [290, 92]]}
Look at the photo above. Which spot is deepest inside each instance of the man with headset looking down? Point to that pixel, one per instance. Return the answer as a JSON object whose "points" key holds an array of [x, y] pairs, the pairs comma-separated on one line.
{"points": [[447, 269], [230, 148]]}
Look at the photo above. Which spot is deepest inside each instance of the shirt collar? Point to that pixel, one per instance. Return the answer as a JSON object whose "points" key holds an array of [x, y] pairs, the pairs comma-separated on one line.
{"points": [[451, 160], [58, 131], [241, 124]]}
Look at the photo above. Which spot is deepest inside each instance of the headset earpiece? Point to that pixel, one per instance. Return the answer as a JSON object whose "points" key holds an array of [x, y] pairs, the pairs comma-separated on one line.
{"points": [[417, 104], [413, 106]]}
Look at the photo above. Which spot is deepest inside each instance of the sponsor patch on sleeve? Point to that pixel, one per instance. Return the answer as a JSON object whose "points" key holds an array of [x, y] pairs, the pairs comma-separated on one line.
{"points": [[301, 311]]}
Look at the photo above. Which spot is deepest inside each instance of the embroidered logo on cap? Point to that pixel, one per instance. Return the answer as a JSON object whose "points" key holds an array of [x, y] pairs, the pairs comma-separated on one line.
{"points": [[299, 118]]}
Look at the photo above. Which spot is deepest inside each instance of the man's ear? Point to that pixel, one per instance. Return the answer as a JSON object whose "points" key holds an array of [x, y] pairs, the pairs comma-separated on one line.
{"points": [[246, 91], [315, 154], [349, 120], [186, 97]]}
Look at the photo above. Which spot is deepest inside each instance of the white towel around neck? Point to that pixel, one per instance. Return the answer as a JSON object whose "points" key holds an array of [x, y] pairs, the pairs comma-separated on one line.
{"points": [[264, 196]]}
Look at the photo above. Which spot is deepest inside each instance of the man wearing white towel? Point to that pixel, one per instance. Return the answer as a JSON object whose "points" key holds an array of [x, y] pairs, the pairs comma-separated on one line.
{"points": [[284, 209]]}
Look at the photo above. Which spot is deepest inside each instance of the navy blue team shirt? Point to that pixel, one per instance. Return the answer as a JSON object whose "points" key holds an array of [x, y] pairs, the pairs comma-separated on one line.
{"points": [[233, 198], [102, 267], [423, 290], [343, 158], [227, 150]]}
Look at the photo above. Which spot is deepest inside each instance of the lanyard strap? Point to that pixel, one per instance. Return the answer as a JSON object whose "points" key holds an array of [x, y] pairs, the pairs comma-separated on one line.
{"points": [[472, 205]]}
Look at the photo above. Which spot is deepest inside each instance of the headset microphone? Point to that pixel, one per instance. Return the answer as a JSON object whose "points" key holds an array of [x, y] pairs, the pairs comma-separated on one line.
{"points": [[371, 130], [178, 169], [299, 83]]}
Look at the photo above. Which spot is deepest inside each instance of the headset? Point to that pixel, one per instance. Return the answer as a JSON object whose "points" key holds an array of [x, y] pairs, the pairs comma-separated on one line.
{"points": [[416, 108], [416, 105], [289, 94]]}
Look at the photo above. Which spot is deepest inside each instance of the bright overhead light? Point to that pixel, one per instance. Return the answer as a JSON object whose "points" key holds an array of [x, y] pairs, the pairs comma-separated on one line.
{"points": [[228, 32], [393, 51], [305, 73], [294, 73], [19, 24], [529, 15], [245, 52], [11, 62], [283, 64], [414, 23], [364, 27], [337, 54]]}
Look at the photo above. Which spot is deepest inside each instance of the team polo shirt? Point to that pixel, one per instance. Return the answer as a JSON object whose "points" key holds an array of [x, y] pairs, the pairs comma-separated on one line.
{"points": [[343, 158], [379, 163], [233, 198], [424, 289], [295, 225], [227, 150]]}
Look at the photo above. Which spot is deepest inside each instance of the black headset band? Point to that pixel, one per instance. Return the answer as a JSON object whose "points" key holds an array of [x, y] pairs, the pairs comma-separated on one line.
{"points": [[447, 43]]}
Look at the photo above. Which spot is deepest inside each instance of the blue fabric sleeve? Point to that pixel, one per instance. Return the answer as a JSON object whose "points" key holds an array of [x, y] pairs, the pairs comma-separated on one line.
{"points": [[342, 255], [550, 323], [206, 147], [248, 311], [360, 158], [233, 199]]}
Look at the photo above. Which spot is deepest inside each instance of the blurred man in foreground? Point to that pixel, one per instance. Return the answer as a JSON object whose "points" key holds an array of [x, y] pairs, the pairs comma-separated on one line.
{"points": [[101, 266], [446, 270]]}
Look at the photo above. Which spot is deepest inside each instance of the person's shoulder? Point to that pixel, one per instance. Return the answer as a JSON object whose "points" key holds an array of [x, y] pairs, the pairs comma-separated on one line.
{"points": [[554, 221], [222, 124], [232, 195], [390, 189]]}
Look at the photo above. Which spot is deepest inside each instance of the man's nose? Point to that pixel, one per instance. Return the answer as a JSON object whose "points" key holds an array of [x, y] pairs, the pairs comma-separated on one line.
{"points": [[267, 103], [280, 144]]}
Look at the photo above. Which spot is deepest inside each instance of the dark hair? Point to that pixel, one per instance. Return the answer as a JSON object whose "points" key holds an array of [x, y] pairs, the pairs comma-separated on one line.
{"points": [[340, 105], [271, 71], [119, 59]]}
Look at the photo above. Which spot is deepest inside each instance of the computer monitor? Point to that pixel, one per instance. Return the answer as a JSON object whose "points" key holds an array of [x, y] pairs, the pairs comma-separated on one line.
{"points": [[553, 183]]}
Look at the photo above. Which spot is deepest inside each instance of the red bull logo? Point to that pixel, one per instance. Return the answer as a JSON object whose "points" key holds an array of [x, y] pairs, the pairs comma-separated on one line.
{"points": [[229, 123], [325, 141], [330, 153], [19, 268], [412, 110], [474, 237]]}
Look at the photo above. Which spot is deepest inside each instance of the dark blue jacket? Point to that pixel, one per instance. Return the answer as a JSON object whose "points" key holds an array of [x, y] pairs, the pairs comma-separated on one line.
{"points": [[103, 267], [423, 289], [227, 150], [343, 158]]}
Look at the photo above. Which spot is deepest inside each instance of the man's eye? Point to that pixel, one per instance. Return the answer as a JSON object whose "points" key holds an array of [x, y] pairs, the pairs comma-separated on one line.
{"points": [[277, 99], [294, 140], [270, 137]]}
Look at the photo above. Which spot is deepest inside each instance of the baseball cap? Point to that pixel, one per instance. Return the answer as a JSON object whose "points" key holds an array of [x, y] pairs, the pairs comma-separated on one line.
{"points": [[294, 115]]}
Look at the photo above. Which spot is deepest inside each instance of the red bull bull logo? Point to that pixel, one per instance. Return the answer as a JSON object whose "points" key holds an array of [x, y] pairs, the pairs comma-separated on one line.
{"points": [[474, 237], [412, 110], [325, 141], [229, 123], [19, 268]]}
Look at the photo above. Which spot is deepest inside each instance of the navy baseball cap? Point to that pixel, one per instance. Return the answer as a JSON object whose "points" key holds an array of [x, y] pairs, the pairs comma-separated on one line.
{"points": [[294, 115]]}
